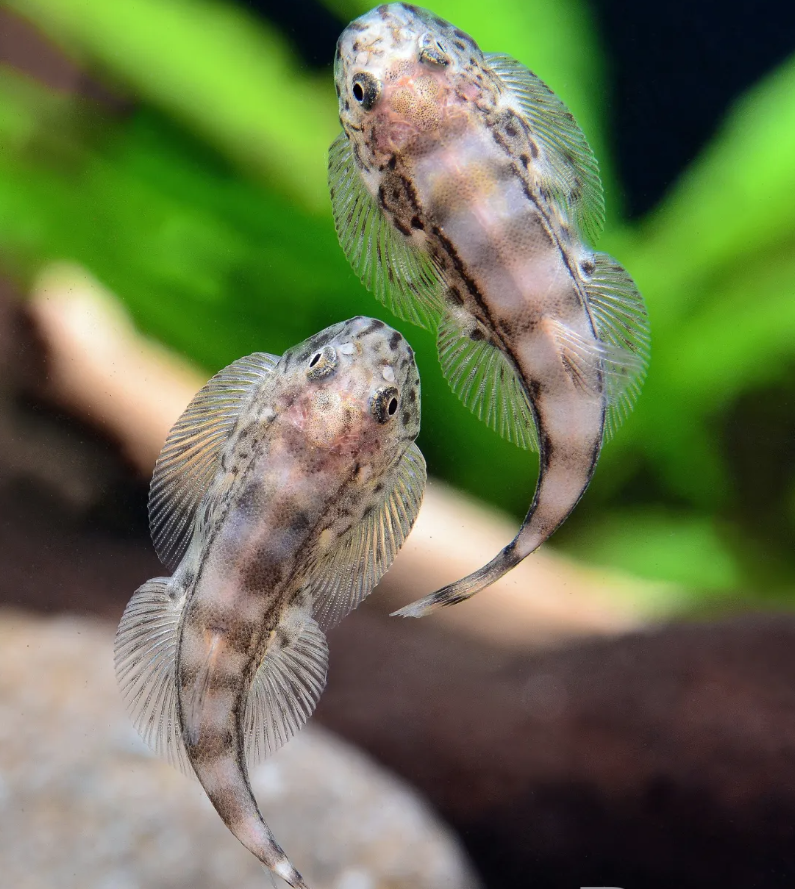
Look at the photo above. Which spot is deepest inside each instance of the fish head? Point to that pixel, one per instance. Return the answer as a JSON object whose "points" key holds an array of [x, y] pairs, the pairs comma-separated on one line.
{"points": [[359, 390], [405, 78]]}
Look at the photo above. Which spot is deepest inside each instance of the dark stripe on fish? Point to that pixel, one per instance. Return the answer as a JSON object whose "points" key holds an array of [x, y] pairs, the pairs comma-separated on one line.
{"points": [[557, 230], [457, 263]]}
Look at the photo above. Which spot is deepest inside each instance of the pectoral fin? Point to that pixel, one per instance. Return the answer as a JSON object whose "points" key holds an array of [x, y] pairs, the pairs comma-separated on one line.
{"points": [[569, 170], [485, 379], [189, 459], [348, 573], [400, 276]]}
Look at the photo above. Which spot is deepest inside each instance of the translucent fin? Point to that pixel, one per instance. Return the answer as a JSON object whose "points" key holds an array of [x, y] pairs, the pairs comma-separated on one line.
{"points": [[585, 359], [622, 324], [145, 657], [189, 458], [389, 265], [347, 574], [597, 369], [287, 685], [570, 168], [485, 379]]}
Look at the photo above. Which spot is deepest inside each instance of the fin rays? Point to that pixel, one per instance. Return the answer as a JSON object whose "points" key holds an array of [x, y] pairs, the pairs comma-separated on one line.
{"points": [[485, 379], [569, 169], [400, 276], [622, 325], [347, 575], [283, 695], [287, 686], [145, 655], [188, 461]]}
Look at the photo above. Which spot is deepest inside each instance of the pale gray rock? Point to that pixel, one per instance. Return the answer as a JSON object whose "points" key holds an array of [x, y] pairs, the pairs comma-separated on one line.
{"points": [[85, 805]]}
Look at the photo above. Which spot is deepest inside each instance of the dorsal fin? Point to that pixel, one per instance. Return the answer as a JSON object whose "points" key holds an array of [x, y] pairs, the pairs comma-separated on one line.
{"points": [[388, 264], [569, 170], [189, 458], [347, 574], [485, 379]]}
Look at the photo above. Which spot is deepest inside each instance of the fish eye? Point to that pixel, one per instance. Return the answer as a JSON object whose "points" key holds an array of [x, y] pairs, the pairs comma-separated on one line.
{"points": [[366, 89], [322, 363], [384, 404]]}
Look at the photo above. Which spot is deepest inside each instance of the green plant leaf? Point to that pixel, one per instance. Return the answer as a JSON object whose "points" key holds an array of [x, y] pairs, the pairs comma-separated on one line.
{"points": [[684, 548], [231, 80], [733, 202]]}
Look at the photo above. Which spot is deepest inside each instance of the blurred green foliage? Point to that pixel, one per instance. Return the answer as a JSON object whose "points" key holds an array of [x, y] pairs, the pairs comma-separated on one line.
{"points": [[199, 197]]}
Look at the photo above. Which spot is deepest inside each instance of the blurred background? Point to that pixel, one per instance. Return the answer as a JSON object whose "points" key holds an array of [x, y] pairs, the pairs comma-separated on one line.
{"points": [[621, 711]]}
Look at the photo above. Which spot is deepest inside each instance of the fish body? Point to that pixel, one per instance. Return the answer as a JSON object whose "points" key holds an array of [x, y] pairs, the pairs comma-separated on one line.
{"points": [[280, 498], [464, 194]]}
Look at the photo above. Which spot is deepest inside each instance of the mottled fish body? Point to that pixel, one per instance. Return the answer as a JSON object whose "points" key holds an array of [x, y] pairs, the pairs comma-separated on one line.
{"points": [[280, 498], [464, 194]]}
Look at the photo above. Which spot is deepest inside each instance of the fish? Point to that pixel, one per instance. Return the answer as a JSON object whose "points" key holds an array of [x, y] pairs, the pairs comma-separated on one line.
{"points": [[280, 498], [465, 197]]}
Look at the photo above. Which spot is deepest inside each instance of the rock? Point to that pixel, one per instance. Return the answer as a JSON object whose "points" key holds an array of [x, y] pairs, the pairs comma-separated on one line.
{"points": [[83, 803]]}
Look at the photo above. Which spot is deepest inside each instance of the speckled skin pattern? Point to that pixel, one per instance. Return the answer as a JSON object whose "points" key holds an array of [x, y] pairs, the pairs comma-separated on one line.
{"points": [[444, 150], [302, 467]]}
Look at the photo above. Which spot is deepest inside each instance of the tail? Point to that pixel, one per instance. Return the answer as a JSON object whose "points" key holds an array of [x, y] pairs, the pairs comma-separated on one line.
{"points": [[465, 588], [287, 872], [222, 713], [187, 688], [567, 463], [225, 779], [598, 378]]}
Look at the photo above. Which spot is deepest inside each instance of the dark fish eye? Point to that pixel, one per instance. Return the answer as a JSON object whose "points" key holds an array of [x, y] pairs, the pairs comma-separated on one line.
{"points": [[384, 404], [322, 363], [366, 89]]}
